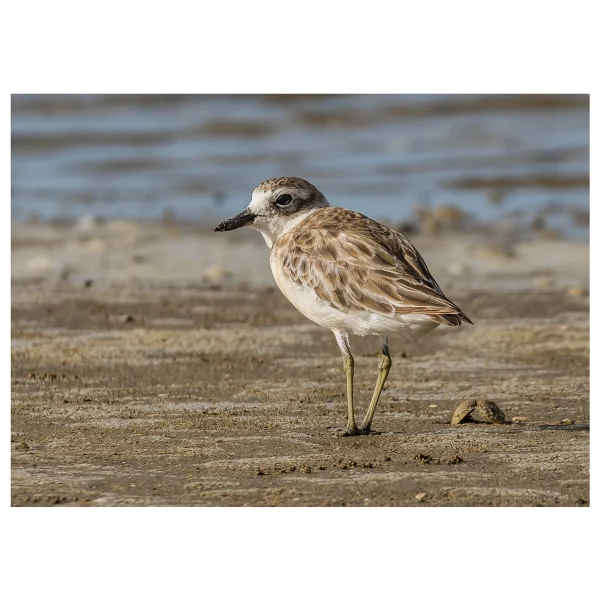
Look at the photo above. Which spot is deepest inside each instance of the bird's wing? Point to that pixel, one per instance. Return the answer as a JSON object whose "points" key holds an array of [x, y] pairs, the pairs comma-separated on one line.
{"points": [[366, 267]]}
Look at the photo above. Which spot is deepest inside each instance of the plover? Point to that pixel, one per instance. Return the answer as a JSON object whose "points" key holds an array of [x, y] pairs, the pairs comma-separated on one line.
{"points": [[345, 272]]}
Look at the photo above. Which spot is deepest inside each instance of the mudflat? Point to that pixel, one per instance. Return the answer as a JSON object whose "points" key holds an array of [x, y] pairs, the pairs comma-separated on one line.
{"points": [[158, 365]]}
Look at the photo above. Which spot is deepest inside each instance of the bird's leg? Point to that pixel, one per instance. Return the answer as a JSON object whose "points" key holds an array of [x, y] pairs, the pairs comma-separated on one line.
{"points": [[384, 369], [348, 361]]}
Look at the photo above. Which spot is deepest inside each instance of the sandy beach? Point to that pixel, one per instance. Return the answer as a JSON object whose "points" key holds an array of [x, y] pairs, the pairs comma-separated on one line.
{"points": [[157, 364]]}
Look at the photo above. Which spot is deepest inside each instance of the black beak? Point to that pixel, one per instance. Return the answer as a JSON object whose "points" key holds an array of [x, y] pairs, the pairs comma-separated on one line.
{"points": [[236, 222]]}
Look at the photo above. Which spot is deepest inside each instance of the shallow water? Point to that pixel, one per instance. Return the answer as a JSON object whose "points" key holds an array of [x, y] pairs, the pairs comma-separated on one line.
{"points": [[199, 157]]}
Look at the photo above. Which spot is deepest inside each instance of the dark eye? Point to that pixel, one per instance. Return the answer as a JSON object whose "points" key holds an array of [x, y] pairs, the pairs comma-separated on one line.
{"points": [[283, 200]]}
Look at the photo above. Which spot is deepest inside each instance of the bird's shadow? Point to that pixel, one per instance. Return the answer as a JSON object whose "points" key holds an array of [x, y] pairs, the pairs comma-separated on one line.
{"points": [[571, 427], [339, 431]]}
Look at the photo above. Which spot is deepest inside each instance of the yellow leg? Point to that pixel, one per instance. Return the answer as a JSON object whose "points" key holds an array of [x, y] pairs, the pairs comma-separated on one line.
{"points": [[348, 361], [351, 428], [384, 370]]}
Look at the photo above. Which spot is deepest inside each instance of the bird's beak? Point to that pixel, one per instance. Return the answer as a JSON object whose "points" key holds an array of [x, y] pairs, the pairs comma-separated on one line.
{"points": [[244, 218]]}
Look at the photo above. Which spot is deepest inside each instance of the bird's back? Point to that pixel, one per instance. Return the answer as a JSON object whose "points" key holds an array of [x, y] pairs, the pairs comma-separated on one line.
{"points": [[355, 264]]}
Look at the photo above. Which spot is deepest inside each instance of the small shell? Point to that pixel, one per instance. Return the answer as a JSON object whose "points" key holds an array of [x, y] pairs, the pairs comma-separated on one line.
{"points": [[491, 411], [463, 412]]}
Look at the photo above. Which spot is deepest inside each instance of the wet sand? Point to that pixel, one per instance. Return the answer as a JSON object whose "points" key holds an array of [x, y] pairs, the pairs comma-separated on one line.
{"points": [[158, 365]]}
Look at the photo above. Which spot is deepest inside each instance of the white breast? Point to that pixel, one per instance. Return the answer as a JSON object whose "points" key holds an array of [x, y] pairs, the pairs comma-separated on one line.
{"points": [[357, 323]]}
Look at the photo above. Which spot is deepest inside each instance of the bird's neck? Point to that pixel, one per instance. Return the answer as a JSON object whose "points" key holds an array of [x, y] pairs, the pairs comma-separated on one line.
{"points": [[273, 230]]}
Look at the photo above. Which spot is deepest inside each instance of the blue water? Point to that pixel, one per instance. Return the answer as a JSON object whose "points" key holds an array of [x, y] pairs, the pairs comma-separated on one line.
{"points": [[198, 157]]}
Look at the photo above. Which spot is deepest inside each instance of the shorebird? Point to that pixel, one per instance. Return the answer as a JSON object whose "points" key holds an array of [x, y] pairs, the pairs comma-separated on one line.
{"points": [[346, 272]]}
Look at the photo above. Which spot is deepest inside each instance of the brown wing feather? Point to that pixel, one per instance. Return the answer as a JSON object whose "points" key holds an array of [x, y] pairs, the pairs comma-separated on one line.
{"points": [[355, 264]]}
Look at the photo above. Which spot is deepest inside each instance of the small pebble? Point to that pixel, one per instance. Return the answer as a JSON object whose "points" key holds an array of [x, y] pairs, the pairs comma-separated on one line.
{"points": [[491, 411], [577, 292], [567, 422], [519, 419], [420, 497], [216, 274], [463, 411]]}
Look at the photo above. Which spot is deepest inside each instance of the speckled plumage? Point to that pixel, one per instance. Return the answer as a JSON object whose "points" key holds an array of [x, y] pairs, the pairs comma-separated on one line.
{"points": [[356, 264]]}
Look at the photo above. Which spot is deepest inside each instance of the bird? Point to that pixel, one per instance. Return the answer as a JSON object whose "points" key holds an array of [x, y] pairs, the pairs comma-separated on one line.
{"points": [[346, 272]]}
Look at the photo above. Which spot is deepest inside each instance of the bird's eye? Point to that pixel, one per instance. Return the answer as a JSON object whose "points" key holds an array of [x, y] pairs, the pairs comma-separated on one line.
{"points": [[283, 200]]}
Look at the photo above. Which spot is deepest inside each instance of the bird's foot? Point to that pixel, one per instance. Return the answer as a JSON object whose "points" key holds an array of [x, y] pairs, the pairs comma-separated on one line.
{"points": [[367, 430], [356, 431]]}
